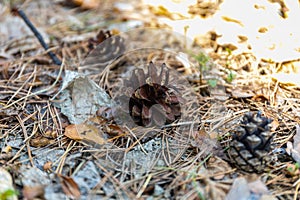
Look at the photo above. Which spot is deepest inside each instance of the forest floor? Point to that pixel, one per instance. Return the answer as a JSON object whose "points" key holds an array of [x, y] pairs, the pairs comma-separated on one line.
{"points": [[61, 136]]}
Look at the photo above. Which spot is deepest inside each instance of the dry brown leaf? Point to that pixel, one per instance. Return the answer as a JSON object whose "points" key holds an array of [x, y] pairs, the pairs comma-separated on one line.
{"points": [[72, 132], [85, 132], [33, 192], [69, 186], [40, 141]]}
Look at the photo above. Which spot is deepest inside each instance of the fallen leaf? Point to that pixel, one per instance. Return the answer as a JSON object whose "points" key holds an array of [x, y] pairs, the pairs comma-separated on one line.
{"points": [[84, 131], [69, 186], [72, 132], [40, 141]]}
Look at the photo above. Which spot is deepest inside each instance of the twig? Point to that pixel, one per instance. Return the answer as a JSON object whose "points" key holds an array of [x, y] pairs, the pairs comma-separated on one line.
{"points": [[38, 36]]}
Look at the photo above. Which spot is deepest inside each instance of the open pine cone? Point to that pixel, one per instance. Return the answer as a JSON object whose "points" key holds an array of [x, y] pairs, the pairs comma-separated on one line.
{"points": [[153, 100], [251, 143]]}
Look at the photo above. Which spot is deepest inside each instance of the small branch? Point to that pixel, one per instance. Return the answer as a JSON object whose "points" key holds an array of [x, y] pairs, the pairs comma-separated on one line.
{"points": [[39, 37]]}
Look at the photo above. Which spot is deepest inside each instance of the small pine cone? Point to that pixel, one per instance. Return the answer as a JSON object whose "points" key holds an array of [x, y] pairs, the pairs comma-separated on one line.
{"points": [[251, 143], [153, 101]]}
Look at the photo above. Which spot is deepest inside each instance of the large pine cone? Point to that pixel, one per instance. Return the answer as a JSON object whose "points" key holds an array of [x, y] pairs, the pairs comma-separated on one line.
{"points": [[251, 143], [153, 100]]}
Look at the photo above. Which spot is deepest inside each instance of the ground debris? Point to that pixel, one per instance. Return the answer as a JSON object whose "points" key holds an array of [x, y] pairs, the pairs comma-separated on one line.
{"points": [[41, 103]]}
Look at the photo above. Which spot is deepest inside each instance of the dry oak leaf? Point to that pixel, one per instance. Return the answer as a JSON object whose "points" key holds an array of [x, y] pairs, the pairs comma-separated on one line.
{"points": [[85, 132]]}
